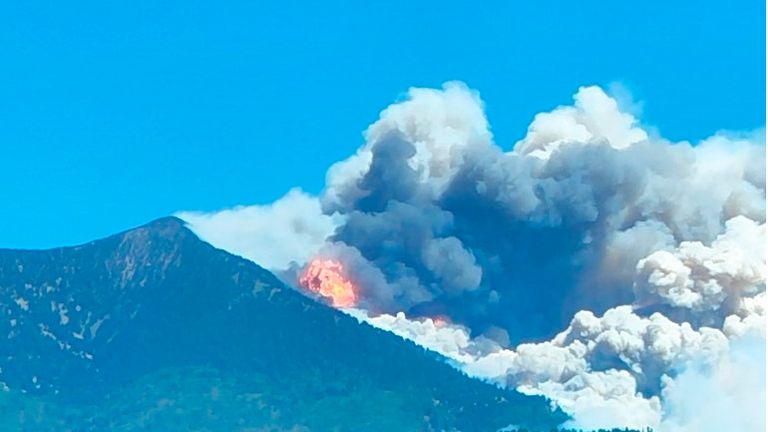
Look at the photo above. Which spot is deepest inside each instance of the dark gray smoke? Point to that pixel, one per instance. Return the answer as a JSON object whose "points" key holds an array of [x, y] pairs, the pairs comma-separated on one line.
{"points": [[524, 239], [628, 255]]}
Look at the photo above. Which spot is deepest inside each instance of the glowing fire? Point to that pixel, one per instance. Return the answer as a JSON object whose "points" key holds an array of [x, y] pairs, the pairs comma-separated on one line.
{"points": [[441, 320], [327, 278]]}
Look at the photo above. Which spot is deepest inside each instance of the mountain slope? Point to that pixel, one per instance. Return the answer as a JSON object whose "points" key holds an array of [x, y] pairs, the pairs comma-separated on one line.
{"points": [[93, 324]]}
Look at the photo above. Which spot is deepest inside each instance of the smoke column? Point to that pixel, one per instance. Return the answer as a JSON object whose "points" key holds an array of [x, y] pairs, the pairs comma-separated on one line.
{"points": [[592, 261]]}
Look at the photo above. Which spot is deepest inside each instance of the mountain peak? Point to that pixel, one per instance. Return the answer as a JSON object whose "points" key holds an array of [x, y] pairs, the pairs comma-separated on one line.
{"points": [[166, 222], [165, 228], [86, 321]]}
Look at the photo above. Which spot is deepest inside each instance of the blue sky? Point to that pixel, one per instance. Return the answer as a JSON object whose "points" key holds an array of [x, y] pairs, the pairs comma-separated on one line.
{"points": [[115, 113]]}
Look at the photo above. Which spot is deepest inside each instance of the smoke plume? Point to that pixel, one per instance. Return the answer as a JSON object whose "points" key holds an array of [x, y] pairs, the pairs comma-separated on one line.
{"points": [[593, 261]]}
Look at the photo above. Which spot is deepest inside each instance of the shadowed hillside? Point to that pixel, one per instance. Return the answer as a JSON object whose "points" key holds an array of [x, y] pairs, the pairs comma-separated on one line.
{"points": [[153, 327]]}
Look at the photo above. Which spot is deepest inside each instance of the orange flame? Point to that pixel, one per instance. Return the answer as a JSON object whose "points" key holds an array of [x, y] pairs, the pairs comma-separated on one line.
{"points": [[326, 277], [441, 320]]}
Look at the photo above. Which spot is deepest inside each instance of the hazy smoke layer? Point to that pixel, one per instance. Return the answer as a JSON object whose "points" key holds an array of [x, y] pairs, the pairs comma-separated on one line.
{"points": [[648, 253], [621, 368], [288, 230]]}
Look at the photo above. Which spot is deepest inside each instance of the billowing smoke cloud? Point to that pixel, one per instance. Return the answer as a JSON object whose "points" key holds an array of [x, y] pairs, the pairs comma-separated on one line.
{"points": [[619, 369], [554, 226], [727, 395], [706, 279], [648, 253], [291, 229]]}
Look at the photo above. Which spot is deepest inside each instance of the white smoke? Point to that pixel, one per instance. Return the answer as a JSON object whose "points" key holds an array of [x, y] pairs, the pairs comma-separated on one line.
{"points": [[653, 250], [707, 278], [594, 116], [292, 229], [619, 369], [441, 124], [727, 395]]}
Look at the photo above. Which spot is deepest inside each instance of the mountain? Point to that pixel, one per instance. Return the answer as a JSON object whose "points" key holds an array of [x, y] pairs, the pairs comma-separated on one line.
{"points": [[154, 328]]}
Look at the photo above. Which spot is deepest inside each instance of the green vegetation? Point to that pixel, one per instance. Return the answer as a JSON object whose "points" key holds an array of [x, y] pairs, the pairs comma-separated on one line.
{"points": [[205, 399]]}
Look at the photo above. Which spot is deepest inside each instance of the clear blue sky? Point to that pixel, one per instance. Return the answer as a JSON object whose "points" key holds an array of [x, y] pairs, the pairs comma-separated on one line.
{"points": [[115, 113]]}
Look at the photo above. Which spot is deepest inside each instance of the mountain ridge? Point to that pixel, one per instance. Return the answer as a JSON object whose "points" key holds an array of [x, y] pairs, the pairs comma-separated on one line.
{"points": [[82, 321]]}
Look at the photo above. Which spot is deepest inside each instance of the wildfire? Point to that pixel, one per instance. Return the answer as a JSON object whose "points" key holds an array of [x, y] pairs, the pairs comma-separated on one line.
{"points": [[327, 278], [441, 320]]}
